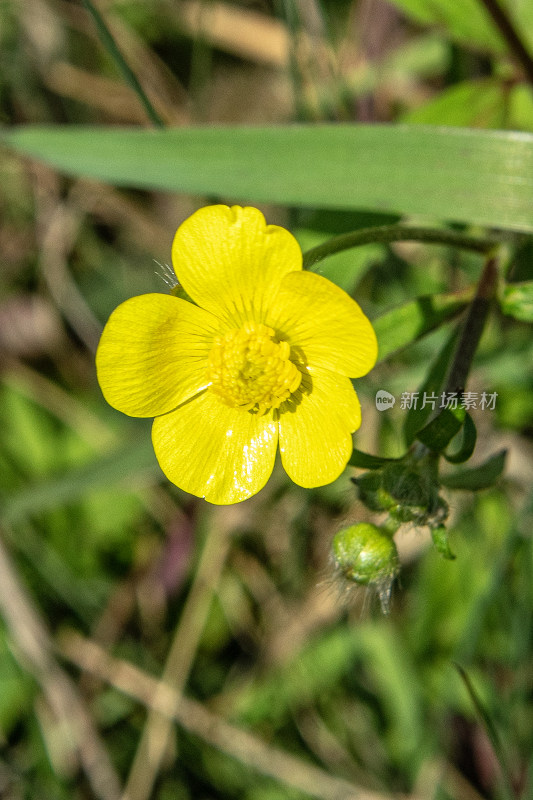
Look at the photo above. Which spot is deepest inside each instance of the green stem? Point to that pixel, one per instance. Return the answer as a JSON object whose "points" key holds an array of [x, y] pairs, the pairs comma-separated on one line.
{"points": [[469, 338], [473, 327], [513, 39], [129, 76], [384, 234]]}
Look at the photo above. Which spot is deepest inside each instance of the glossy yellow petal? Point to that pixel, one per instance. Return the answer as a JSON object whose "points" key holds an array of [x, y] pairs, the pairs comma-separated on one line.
{"points": [[153, 354], [320, 318], [315, 431], [210, 450], [231, 262]]}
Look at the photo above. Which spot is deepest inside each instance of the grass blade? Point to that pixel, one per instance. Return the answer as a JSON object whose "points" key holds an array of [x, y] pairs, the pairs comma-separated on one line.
{"points": [[108, 41], [452, 174], [491, 731]]}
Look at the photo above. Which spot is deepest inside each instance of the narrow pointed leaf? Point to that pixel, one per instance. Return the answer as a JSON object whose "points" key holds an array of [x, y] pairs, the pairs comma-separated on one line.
{"points": [[467, 445], [480, 477], [368, 461], [470, 176], [419, 413], [438, 433]]}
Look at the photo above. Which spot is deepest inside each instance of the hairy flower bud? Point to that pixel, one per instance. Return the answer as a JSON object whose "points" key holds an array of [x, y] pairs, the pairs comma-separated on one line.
{"points": [[407, 490], [367, 555]]}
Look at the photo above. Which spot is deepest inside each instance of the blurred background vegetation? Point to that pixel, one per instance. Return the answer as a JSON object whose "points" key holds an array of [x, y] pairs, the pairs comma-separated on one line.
{"points": [[277, 683]]}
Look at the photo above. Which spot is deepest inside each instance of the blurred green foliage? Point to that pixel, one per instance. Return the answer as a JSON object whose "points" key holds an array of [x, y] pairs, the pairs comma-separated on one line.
{"points": [[98, 551]]}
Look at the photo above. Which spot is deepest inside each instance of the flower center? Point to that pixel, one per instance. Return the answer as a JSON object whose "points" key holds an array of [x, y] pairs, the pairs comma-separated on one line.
{"points": [[247, 368]]}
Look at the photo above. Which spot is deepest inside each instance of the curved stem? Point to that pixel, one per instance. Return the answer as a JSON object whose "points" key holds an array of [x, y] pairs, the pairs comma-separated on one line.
{"points": [[469, 338], [384, 234], [473, 327]]}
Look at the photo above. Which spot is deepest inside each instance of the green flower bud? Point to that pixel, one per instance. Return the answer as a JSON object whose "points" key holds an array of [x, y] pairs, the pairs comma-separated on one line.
{"points": [[367, 555], [407, 490], [416, 494]]}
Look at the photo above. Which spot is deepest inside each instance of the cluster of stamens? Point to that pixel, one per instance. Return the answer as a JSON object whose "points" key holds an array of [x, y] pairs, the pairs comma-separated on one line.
{"points": [[249, 369]]}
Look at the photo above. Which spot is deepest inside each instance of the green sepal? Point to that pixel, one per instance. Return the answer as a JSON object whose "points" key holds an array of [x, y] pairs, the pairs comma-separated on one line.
{"points": [[438, 433], [370, 491], [407, 486], [468, 444], [179, 291], [480, 477], [408, 490], [440, 540]]}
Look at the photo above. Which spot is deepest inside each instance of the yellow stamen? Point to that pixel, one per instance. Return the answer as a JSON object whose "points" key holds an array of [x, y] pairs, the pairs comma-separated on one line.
{"points": [[249, 369]]}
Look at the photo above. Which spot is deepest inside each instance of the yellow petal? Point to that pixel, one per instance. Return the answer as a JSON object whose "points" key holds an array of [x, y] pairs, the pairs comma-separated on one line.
{"points": [[211, 450], [153, 354], [230, 261], [315, 431], [321, 319]]}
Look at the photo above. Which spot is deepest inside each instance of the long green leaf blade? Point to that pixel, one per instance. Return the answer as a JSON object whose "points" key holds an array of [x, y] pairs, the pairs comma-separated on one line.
{"points": [[453, 174]]}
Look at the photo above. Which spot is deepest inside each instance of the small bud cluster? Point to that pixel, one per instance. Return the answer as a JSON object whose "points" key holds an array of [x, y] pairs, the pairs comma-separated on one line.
{"points": [[405, 491]]}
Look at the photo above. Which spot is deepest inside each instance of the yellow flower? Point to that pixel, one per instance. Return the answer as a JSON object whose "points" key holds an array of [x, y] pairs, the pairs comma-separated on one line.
{"points": [[264, 354]]}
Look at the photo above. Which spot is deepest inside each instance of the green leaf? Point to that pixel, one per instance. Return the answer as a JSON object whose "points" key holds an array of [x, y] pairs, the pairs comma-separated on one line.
{"points": [[440, 431], [476, 103], [403, 325], [517, 301], [480, 477], [368, 461], [520, 108], [468, 444], [465, 21], [392, 680], [418, 414], [425, 57], [474, 177], [491, 731]]}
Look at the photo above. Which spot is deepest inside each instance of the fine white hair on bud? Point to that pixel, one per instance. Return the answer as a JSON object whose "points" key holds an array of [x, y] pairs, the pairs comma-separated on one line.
{"points": [[366, 555]]}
